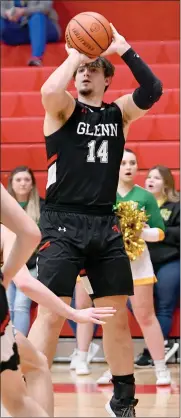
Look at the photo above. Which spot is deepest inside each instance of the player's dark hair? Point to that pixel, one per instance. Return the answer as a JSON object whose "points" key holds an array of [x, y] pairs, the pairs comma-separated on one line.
{"points": [[101, 62]]}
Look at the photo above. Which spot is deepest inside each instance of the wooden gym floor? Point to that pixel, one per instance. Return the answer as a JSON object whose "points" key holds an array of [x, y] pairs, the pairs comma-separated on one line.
{"points": [[79, 396]]}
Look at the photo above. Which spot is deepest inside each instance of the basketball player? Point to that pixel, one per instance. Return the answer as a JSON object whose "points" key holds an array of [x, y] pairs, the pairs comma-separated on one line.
{"points": [[14, 394], [33, 363], [85, 141]]}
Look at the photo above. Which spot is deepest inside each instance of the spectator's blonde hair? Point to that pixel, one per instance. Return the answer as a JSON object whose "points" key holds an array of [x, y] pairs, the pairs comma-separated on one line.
{"points": [[169, 183], [33, 206]]}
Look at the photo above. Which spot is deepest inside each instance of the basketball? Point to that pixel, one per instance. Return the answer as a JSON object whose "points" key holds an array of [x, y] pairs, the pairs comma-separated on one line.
{"points": [[90, 33]]}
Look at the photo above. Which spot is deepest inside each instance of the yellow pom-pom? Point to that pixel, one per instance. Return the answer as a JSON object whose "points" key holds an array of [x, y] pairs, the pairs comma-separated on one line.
{"points": [[132, 222]]}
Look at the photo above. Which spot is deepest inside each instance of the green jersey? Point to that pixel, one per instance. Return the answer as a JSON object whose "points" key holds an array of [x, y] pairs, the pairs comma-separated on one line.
{"points": [[147, 202]]}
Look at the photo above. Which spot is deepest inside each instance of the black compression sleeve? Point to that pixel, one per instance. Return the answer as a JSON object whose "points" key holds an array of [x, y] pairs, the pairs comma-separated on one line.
{"points": [[150, 89]]}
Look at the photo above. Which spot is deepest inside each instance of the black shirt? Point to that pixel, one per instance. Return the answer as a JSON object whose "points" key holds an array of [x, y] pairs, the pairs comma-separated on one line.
{"points": [[168, 249], [84, 158]]}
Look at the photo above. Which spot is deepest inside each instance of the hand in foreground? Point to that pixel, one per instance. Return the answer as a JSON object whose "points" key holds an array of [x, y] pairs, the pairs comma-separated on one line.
{"points": [[118, 44], [83, 59], [93, 315]]}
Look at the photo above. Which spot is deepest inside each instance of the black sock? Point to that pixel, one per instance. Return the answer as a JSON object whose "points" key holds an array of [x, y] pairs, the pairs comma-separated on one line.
{"points": [[124, 386]]}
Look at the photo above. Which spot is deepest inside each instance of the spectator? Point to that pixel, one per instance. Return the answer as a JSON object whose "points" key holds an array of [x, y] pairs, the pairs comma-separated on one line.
{"points": [[22, 186], [165, 256], [142, 270], [29, 22]]}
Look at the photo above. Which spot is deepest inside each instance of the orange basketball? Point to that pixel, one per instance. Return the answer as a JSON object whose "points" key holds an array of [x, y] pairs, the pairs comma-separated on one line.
{"points": [[90, 33]]}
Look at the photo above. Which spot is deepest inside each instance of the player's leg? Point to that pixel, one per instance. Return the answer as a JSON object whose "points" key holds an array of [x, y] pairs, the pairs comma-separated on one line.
{"points": [[15, 398], [14, 395], [57, 268], [117, 341], [111, 280], [34, 367], [118, 349], [46, 341]]}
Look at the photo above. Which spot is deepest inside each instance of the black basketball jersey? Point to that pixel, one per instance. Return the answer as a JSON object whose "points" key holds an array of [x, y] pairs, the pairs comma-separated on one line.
{"points": [[84, 158]]}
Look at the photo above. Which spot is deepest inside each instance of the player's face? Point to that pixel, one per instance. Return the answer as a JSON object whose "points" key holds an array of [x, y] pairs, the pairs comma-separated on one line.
{"points": [[90, 80], [22, 184], [128, 167], [154, 182]]}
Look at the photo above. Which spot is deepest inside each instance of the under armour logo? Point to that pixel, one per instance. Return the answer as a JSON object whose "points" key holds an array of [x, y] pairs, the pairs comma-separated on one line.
{"points": [[62, 229]]}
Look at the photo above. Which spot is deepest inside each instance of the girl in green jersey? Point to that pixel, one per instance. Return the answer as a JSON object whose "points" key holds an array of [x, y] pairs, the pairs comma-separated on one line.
{"points": [[142, 269]]}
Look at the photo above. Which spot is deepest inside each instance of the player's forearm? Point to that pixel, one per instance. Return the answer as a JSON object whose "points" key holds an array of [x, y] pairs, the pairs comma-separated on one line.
{"points": [[152, 234], [40, 294], [26, 239], [21, 251], [150, 89], [60, 78]]}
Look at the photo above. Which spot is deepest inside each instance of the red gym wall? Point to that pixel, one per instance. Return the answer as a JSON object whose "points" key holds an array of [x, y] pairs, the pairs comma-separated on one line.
{"points": [[136, 20]]}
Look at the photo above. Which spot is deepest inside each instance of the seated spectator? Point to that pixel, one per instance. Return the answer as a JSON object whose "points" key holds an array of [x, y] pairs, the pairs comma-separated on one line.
{"points": [[22, 186], [165, 256], [29, 22]]}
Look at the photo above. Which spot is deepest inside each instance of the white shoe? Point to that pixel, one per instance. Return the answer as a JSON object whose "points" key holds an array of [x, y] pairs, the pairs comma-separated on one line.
{"points": [[163, 377], [105, 378], [93, 349], [74, 359], [170, 350], [82, 368]]}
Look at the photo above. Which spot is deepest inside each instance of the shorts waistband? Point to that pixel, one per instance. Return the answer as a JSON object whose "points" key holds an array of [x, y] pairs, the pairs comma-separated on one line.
{"points": [[79, 209]]}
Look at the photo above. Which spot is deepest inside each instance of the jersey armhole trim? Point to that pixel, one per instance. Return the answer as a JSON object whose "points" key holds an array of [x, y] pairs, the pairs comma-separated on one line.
{"points": [[62, 127]]}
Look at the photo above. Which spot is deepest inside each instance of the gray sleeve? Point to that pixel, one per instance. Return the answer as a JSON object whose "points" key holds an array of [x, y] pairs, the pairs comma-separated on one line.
{"points": [[38, 6]]}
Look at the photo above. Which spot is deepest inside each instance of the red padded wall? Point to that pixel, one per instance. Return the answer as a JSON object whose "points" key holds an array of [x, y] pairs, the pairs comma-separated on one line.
{"points": [[137, 20]]}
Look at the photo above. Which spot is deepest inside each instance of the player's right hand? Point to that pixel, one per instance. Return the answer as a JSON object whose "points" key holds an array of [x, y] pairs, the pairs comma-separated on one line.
{"points": [[83, 59], [93, 315]]}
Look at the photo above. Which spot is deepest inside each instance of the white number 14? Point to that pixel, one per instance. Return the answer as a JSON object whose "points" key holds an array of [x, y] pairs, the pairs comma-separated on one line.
{"points": [[102, 152]]}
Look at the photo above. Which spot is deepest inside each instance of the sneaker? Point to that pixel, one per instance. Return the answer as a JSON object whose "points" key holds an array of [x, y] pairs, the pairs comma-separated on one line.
{"points": [[35, 62], [105, 379], [144, 360], [163, 377], [93, 349], [116, 408], [170, 350], [74, 358], [82, 368]]}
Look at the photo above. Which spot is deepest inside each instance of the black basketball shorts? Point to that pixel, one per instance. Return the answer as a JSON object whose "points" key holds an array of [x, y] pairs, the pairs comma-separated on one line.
{"points": [[71, 242], [9, 357]]}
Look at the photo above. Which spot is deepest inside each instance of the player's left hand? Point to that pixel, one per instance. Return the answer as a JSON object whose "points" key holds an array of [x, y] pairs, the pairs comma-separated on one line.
{"points": [[84, 59], [93, 315], [118, 45]]}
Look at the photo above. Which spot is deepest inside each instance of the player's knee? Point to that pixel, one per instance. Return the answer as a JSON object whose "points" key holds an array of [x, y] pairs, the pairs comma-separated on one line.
{"points": [[119, 324], [49, 319]]}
